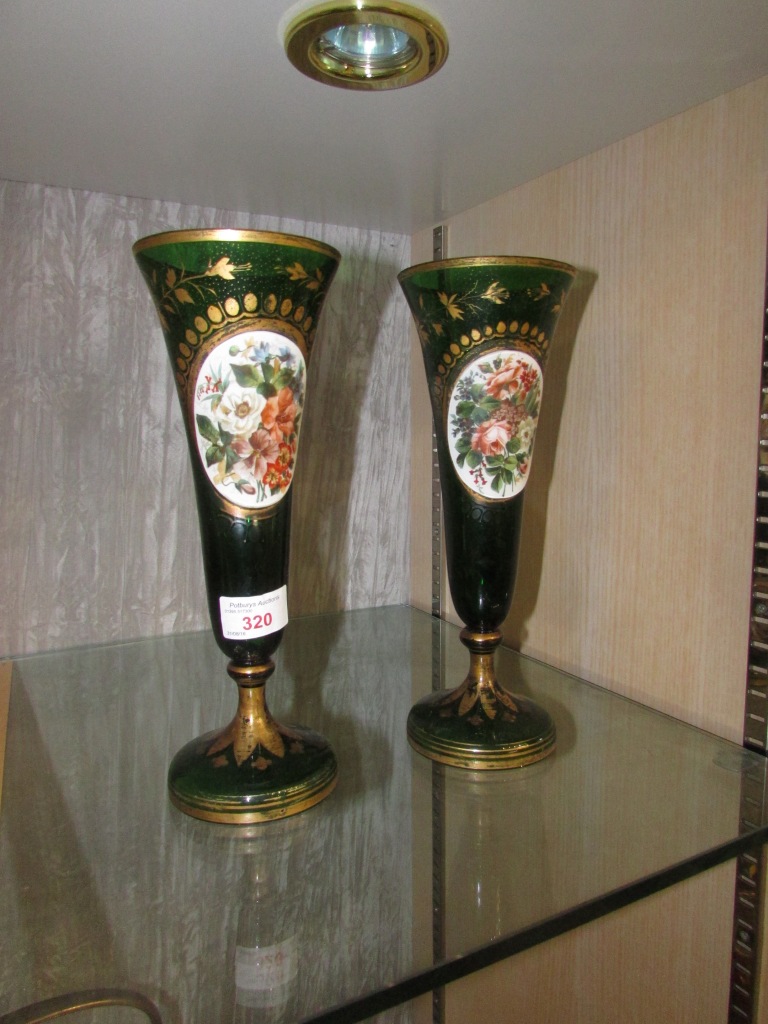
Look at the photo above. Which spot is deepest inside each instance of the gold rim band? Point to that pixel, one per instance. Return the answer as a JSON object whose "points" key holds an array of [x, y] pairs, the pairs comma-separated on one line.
{"points": [[234, 235], [486, 261]]}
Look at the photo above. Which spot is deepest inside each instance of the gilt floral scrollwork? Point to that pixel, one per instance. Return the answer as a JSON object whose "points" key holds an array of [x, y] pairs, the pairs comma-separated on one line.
{"points": [[478, 702]]}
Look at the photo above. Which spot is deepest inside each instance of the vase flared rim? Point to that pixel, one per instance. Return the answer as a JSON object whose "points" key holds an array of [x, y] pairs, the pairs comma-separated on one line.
{"points": [[486, 261], [233, 235]]}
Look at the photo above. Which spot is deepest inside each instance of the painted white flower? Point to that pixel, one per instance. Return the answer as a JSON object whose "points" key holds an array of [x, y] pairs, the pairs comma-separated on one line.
{"points": [[239, 411], [525, 433]]}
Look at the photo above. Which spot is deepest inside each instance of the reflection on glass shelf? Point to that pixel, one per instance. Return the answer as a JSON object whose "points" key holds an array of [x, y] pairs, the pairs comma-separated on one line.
{"points": [[105, 884]]}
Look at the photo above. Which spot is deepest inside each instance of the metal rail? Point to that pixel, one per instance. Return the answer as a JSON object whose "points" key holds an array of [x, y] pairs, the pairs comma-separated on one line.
{"points": [[751, 865], [438, 792]]}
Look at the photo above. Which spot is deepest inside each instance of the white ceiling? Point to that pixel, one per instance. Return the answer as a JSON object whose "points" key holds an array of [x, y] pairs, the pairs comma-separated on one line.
{"points": [[195, 101]]}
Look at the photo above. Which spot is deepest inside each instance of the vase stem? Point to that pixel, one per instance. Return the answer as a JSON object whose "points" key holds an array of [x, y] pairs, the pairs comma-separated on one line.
{"points": [[453, 726], [281, 769], [253, 727], [482, 648]]}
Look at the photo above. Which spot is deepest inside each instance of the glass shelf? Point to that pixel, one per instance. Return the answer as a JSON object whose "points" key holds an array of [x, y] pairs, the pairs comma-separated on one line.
{"points": [[408, 877]]}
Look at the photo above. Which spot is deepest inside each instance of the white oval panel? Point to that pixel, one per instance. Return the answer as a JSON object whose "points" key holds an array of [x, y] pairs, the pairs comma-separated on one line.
{"points": [[248, 402], [492, 416]]}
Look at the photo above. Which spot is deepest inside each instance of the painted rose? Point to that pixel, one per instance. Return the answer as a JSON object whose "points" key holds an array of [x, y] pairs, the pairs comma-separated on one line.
{"points": [[504, 383], [279, 414], [491, 437], [239, 411], [255, 453]]}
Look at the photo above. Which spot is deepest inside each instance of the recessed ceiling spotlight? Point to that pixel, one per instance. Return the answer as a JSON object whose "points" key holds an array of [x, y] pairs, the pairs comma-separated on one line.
{"points": [[366, 45]]}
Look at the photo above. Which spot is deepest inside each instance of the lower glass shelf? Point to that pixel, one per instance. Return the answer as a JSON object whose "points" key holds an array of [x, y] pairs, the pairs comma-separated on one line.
{"points": [[410, 876]]}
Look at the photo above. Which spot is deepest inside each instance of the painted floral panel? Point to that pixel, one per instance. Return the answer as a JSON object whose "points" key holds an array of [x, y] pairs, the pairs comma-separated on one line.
{"points": [[248, 402], [492, 416]]}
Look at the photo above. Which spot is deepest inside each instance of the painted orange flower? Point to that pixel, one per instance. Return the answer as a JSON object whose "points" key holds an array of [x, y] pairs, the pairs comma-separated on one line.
{"points": [[285, 456], [272, 478], [279, 415]]}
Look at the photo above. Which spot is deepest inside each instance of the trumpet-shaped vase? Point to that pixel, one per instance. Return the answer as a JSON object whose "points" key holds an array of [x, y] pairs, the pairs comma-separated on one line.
{"points": [[239, 312], [485, 326]]}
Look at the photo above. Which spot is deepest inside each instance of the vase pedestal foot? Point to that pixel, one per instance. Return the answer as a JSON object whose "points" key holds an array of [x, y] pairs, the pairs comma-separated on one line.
{"points": [[255, 769], [479, 725]]}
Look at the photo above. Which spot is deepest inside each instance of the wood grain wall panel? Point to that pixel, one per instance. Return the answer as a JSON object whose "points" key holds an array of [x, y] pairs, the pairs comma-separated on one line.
{"points": [[611, 970], [636, 548]]}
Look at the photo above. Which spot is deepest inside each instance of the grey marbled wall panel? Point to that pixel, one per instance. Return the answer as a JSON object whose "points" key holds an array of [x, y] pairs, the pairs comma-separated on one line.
{"points": [[98, 530]]}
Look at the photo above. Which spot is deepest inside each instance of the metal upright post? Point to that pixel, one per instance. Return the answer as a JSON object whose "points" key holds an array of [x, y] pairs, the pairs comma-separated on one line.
{"points": [[438, 795], [751, 866]]}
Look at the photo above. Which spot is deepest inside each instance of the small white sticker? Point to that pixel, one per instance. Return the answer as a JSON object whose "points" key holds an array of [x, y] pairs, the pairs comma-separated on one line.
{"points": [[246, 618], [264, 968]]}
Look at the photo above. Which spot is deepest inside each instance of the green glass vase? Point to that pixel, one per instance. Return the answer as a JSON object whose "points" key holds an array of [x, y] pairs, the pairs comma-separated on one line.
{"points": [[239, 311], [485, 326]]}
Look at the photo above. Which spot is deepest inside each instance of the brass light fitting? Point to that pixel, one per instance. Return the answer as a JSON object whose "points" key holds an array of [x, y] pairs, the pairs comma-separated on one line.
{"points": [[366, 45]]}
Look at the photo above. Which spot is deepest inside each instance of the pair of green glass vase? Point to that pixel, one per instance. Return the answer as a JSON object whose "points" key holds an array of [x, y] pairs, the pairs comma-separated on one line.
{"points": [[239, 311]]}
